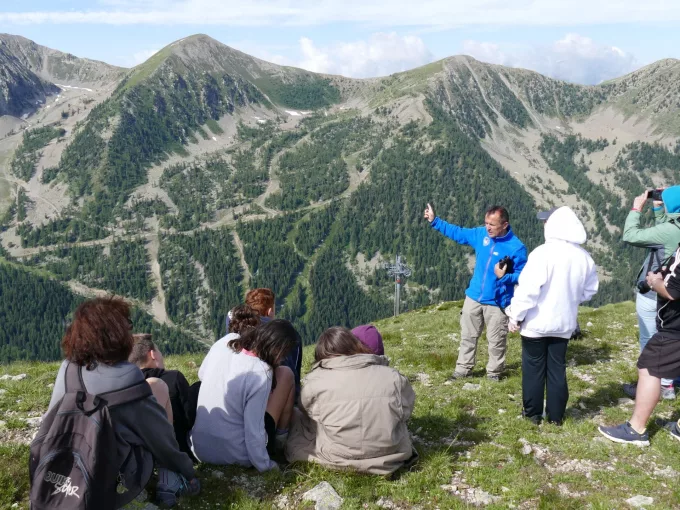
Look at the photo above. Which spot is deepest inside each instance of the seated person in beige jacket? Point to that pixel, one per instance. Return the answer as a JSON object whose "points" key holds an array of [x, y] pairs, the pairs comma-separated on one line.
{"points": [[353, 411]]}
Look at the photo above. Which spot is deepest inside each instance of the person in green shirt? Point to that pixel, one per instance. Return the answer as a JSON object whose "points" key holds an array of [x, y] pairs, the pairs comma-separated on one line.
{"points": [[661, 240]]}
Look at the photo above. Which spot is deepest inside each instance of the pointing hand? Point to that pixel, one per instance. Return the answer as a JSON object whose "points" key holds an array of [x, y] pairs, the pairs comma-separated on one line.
{"points": [[429, 213]]}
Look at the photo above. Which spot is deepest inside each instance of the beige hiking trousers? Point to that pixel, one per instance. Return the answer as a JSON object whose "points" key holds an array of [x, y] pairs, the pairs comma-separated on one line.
{"points": [[472, 321]]}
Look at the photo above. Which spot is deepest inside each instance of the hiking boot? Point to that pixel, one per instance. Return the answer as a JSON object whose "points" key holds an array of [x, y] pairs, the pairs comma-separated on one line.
{"points": [[171, 486], [674, 429], [456, 376], [668, 392], [494, 378], [625, 434], [165, 498], [630, 390]]}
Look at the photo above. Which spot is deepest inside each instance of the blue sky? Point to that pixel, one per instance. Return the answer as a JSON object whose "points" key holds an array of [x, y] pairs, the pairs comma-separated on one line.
{"points": [[578, 40]]}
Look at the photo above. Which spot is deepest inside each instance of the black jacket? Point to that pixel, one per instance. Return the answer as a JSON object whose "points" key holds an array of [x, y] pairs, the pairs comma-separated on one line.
{"points": [[668, 312], [184, 413], [294, 362]]}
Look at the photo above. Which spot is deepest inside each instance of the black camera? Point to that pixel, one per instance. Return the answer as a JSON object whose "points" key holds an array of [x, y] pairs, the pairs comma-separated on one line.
{"points": [[643, 287], [507, 264], [654, 194]]}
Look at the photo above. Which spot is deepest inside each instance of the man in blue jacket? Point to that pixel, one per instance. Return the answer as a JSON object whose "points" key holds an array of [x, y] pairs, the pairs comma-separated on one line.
{"points": [[491, 288]]}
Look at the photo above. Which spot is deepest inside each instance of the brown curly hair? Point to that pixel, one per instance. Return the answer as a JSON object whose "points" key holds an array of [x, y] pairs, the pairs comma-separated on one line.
{"points": [[261, 300], [101, 332], [243, 318]]}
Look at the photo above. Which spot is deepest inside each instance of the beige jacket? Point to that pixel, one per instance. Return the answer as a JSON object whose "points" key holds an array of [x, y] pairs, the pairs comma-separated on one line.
{"points": [[353, 414]]}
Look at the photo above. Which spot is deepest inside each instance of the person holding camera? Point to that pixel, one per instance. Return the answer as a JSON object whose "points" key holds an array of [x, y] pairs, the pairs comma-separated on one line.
{"points": [[558, 277], [499, 259], [660, 358], [661, 241]]}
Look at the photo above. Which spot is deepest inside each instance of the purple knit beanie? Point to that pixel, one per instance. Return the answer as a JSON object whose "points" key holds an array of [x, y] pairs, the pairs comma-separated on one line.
{"points": [[371, 338]]}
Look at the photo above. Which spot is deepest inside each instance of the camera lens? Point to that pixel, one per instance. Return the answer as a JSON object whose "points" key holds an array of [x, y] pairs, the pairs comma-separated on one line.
{"points": [[643, 288]]}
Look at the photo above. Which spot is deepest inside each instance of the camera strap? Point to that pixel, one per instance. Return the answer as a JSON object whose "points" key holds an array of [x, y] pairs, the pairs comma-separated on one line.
{"points": [[653, 256]]}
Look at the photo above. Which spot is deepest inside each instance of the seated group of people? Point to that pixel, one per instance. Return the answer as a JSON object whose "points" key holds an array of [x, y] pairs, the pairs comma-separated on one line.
{"points": [[248, 407]]}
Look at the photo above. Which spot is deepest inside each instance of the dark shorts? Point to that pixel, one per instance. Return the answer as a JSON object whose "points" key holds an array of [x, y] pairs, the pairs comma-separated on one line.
{"points": [[270, 429], [661, 357]]}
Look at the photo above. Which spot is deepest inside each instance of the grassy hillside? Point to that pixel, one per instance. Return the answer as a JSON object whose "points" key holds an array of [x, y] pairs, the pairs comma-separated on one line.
{"points": [[472, 440]]}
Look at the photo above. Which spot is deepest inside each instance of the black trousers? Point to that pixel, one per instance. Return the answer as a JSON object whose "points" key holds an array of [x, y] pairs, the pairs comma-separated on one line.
{"points": [[544, 364]]}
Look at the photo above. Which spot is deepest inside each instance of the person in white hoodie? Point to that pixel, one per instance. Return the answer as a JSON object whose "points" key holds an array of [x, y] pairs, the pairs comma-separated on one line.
{"points": [[557, 278]]}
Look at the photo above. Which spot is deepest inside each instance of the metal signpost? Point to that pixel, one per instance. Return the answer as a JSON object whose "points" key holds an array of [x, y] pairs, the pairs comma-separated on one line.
{"points": [[400, 271]]}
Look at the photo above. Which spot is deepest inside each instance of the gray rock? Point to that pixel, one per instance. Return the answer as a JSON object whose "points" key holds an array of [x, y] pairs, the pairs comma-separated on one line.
{"points": [[217, 474], [471, 387], [589, 324], [19, 377], [526, 449], [34, 422], [324, 496], [3, 424], [625, 402], [386, 503], [640, 501], [282, 502], [479, 497], [2, 392], [5, 377]]}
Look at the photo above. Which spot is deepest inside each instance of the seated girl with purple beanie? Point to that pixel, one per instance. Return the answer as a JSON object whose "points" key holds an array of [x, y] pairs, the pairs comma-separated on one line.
{"points": [[371, 338]]}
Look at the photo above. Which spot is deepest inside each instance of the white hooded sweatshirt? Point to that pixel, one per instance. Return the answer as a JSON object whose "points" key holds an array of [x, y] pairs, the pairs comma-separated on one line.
{"points": [[557, 278]]}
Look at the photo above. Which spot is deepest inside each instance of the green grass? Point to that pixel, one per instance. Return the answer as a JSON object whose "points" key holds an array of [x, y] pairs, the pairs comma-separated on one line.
{"points": [[214, 127], [476, 433], [146, 69], [401, 84]]}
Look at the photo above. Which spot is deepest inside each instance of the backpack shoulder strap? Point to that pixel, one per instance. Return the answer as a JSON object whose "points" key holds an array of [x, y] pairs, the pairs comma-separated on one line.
{"points": [[73, 378], [137, 391]]}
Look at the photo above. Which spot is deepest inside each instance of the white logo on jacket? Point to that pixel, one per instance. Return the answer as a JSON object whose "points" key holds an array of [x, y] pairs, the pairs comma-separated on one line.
{"points": [[486, 241], [62, 484]]}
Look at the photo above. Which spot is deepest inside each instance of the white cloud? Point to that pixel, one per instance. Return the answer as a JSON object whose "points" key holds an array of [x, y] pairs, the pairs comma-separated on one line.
{"points": [[574, 58], [425, 13], [382, 54]]}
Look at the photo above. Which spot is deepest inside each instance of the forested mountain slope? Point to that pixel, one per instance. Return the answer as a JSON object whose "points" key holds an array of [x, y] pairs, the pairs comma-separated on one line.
{"points": [[204, 172]]}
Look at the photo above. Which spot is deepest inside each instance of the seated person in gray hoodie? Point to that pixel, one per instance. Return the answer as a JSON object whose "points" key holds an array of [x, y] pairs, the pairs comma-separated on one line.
{"points": [[100, 340]]}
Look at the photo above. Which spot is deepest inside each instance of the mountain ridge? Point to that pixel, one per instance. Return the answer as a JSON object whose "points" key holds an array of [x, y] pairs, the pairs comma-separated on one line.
{"points": [[55, 66], [204, 161]]}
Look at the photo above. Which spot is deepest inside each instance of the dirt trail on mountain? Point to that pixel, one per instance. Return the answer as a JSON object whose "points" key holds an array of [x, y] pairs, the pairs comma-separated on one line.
{"points": [[158, 302], [202, 298], [91, 292], [247, 275], [19, 252]]}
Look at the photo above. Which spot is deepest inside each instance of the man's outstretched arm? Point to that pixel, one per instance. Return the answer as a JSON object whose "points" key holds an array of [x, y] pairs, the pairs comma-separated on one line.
{"points": [[458, 234]]}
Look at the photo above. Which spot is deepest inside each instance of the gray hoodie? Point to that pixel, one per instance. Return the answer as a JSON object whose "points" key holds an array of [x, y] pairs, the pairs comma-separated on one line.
{"points": [[141, 423]]}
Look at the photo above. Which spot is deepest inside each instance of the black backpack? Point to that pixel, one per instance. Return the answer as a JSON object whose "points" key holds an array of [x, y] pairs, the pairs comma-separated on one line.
{"points": [[73, 457]]}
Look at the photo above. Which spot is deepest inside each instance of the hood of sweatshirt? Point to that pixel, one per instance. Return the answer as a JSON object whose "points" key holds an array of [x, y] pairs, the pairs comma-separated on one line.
{"points": [[153, 372], [355, 362], [564, 225]]}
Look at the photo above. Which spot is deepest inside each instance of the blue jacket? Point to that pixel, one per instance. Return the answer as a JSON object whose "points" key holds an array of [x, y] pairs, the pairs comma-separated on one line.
{"points": [[484, 287]]}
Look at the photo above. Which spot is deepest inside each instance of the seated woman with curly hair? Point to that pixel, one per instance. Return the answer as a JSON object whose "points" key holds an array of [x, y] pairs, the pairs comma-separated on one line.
{"points": [[246, 397], [97, 344]]}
